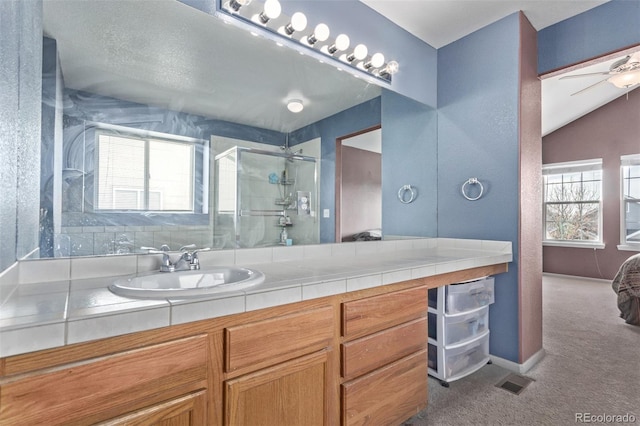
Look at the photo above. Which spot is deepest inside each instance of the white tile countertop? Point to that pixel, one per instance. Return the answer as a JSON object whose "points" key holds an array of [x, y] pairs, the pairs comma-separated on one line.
{"points": [[55, 302]]}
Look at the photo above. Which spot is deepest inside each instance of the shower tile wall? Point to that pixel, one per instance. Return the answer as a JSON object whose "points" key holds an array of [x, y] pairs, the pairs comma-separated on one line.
{"points": [[99, 240]]}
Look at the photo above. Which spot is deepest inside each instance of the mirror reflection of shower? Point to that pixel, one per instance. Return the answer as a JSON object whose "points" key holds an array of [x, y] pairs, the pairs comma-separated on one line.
{"points": [[264, 198]]}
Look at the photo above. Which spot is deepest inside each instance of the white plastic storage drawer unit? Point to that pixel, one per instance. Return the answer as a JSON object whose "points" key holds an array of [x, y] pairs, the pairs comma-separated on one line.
{"points": [[463, 297], [459, 328], [456, 329], [457, 362]]}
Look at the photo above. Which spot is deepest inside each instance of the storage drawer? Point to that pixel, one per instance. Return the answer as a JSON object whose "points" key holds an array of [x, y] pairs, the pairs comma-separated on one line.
{"points": [[454, 363], [262, 343], [363, 355], [366, 316], [388, 395], [471, 295], [456, 329]]}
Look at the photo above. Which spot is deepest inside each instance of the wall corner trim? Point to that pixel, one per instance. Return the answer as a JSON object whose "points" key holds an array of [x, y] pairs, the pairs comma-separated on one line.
{"points": [[519, 368]]}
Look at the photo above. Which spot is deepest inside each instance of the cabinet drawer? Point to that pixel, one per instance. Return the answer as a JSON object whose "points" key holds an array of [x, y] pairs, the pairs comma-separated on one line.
{"points": [[368, 353], [267, 342], [107, 387], [388, 395], [376, 313]]}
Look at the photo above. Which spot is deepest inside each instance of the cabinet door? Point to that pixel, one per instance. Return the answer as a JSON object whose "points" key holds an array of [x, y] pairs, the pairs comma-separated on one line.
{"points": [[388, 395], [293, 393], [189, 410]]}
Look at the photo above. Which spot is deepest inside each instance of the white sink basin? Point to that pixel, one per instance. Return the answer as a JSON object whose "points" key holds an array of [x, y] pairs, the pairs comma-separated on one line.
{"points": [[187, 284]]}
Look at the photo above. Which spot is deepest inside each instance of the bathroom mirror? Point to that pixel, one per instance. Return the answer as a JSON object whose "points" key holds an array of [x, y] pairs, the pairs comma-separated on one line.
{"points": [[162, 72]]}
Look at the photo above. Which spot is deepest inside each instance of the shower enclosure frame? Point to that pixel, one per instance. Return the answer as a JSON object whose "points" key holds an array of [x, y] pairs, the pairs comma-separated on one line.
{"points": [[238, 212]]}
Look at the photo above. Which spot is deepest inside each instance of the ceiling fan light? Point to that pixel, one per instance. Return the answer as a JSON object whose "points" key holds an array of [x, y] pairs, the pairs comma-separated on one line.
{"points": [[625, 80]]}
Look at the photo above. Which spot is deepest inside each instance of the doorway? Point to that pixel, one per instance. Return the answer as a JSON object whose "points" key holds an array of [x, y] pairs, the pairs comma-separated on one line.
{"points": [[359, 185]]}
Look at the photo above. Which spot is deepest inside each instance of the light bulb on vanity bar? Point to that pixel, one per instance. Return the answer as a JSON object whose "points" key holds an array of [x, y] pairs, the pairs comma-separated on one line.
{"points": [[359, 53], [234, 6], [320, 33], [391, 68], [272, 10], [298, 23], [376, 61], [341, 44]]}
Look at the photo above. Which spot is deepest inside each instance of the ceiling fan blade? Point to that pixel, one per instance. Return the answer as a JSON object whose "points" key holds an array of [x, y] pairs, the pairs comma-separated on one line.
{"points": [[588, 87], [584, 75]]}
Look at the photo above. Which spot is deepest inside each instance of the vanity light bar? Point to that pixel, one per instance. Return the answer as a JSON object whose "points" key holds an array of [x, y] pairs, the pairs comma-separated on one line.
{"points": [[267, 15]]}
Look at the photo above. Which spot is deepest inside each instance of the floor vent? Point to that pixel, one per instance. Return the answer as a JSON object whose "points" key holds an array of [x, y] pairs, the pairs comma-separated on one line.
{"points": [[514, 383]]}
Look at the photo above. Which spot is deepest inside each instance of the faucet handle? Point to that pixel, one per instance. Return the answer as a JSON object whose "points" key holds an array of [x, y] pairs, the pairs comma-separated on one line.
{"points": [[165, 265], [201, 249], [194, 261], [152, 250]]}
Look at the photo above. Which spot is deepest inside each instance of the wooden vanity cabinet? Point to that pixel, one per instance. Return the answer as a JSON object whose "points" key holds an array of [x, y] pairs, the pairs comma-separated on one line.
{"points": [[384, 357], [163, 384], [278, 370], [353, 358]]}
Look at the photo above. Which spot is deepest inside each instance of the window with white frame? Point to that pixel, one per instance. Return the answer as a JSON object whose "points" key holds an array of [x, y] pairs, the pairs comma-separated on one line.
{"points": [[630, 205], [573, 202], [144, 173]]}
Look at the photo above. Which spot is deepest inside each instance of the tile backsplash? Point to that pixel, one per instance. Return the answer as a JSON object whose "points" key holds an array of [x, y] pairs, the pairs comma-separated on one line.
{"points": [[75, 268]]}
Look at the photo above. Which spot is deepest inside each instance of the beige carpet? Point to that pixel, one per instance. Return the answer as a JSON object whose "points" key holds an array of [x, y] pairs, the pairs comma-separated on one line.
{"points": [[591, 368]]}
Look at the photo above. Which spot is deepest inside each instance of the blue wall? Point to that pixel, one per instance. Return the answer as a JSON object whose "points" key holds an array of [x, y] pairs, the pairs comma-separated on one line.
{"points": [[478, 137], [612, 26], [409, 157]]}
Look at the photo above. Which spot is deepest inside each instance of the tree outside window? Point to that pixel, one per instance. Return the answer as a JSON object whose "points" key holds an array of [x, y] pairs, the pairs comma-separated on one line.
{"points": [[572, 202]]}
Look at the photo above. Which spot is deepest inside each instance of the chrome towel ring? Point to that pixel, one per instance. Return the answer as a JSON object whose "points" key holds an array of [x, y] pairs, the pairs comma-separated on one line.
{"points": [[472, 181], [413, 194]]}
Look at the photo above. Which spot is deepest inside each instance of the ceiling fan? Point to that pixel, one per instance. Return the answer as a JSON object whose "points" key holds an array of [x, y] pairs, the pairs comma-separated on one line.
{"points": [[623, 73]]}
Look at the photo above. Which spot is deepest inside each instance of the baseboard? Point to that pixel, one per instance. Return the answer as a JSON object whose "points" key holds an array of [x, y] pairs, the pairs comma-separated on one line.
{"points": [[519, 368], [575, 277]]}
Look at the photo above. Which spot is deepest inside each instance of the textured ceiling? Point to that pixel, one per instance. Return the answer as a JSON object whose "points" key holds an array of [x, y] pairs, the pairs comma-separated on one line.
{"points": [[439, 22], [206, 67]]}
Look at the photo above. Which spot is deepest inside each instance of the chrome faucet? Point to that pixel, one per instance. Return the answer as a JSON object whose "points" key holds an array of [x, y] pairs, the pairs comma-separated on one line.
{"points": [[188, 260]]}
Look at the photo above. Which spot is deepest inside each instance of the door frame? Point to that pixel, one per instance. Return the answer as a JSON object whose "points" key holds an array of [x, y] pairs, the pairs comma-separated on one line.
{"points": [[338, 180]]}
